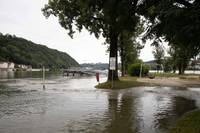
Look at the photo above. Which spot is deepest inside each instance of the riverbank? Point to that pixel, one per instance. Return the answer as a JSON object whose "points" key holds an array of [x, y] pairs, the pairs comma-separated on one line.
{"points": [[165, 81], [188, 123], [122, 83], [171, 81]]}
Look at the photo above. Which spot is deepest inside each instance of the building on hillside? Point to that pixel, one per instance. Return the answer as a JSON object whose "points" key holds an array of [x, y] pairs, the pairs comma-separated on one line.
{"points": [[194, 65], [10, 66], [7, 66], [22, 67], [152, 64], [3, 65]]}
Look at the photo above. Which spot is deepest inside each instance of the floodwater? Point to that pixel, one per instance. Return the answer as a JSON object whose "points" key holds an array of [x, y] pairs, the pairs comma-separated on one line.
{"points": [[73, 105]]}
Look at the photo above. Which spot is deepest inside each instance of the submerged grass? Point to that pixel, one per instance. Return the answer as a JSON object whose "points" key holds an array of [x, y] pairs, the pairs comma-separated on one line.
{"points": [[189, 123], [122, 83]]}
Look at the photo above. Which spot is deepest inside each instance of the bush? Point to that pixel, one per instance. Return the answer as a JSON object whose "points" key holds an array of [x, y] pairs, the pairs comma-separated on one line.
{"points": [[145, 69], [134, 69]]}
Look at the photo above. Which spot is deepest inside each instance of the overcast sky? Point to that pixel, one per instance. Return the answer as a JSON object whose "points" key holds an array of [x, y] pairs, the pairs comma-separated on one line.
{"points": [[24, 18]]}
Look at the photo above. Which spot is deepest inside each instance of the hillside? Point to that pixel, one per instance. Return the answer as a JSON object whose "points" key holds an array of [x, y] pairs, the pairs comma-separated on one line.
{"points": [[98, 66], [22, 51], [150, 62]]}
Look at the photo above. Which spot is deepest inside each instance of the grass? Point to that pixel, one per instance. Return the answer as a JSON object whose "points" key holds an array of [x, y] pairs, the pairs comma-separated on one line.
{"points": [[166, 75], [189, 123], [122, 83], [190, 77], [169, 75]]}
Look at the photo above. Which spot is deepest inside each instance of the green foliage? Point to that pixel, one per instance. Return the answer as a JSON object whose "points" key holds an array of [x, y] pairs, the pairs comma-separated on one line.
{"points": [[181, 57], [134, 69], [97, 16], [145, 70], [165, 75], [123, 83], [176, 21], [138, 61], [174, 17], [21, 51], [129, 48], [158, 53], [108, 18], [168, 64]]}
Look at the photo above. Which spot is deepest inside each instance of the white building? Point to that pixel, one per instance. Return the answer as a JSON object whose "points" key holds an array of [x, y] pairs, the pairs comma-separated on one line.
{"points": [[10, 66], [3, 65], [7, 66], [23, 67]]}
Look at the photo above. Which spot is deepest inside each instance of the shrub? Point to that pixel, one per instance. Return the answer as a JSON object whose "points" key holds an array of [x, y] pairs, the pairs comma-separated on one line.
{"points": [[145, 69], [134, 69]]}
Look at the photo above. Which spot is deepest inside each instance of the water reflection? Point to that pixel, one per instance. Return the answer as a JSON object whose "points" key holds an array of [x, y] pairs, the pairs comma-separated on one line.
{"points": [[121, 113], [135, 112], [159, 112], [73, 105], [26, 74], [6, 75]]}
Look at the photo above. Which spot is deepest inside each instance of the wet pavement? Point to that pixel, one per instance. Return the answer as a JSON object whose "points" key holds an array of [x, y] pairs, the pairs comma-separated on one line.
{"points": [[73, 105]]}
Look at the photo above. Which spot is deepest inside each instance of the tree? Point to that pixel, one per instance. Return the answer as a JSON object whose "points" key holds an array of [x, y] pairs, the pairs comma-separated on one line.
{"points": [[175, 21], [181, 57], [158, 53], [172, 54], [129, 48], [100, 17], [168, 64]]}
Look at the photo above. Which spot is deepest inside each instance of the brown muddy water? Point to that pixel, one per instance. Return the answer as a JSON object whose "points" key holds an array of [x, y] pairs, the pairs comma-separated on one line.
{"points": [[73, 105]]}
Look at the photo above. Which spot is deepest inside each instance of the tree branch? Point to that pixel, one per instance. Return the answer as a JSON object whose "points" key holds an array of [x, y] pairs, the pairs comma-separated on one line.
{"points": [[99, 19], [184, 2]]}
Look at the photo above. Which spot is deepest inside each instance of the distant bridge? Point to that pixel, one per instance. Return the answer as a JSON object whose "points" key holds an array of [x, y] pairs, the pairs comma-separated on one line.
{"points": [[81, 72]]}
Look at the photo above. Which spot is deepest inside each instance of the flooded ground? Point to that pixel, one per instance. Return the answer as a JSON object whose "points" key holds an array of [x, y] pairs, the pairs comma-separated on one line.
{"points": [[73, 105]]}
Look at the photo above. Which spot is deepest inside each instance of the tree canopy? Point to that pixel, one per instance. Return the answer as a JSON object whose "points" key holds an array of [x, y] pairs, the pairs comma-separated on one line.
{"points": [[159, 54], [176, 21], [129, 47], [100, 17], [97, 16]]}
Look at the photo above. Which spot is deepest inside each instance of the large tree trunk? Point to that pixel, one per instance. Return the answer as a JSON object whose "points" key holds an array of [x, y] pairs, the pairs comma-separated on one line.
{"points": [[122, 62], [174, 69], [126, 68], [179, 70], [113, 74], [122, 54], [182, 68]]}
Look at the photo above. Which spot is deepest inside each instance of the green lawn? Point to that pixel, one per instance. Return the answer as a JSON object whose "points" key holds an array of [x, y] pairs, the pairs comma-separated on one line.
{"points": [[167, 75], [122, 83], [189, 123]]}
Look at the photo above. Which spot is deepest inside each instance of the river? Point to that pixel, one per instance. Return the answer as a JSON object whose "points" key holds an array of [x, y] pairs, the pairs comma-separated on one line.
{"points": [[73, 105]]}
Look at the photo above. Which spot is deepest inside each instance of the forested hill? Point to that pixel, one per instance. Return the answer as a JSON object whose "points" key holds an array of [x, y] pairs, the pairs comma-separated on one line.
{"points": [[22, 51]]}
